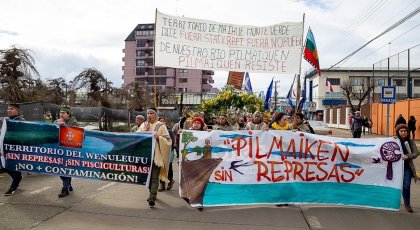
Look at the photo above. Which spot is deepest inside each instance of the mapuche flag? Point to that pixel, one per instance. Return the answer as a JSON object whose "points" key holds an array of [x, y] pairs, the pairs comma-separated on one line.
{"points": [[311, 53]]}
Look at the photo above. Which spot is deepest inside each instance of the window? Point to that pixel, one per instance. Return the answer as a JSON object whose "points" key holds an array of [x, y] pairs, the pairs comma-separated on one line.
{"points": [[379, 82], [141, 53], [140, 71], [183, 70], [149, 61], [204, 81], [145, 33], [334, 81], [357, 81], [416, 82], [141, 43], [140, 62], [183, 80], [159, 81], [180, 89], [398, 82], [160, 71]]}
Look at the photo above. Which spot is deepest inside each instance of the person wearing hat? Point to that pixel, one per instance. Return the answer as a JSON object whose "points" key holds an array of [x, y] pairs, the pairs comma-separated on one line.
{"points": [[256, 123], [409, 149], [160, 165], [198, 124], [13, 113], [139, 121], [66, 118]]}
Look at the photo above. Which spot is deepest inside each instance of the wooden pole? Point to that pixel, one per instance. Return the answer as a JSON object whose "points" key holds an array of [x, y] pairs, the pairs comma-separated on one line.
{"points": [[154, 56], [298, 90]]}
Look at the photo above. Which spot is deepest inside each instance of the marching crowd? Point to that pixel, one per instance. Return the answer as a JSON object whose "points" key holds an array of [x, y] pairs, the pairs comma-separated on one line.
{"points": [[167, 142]]}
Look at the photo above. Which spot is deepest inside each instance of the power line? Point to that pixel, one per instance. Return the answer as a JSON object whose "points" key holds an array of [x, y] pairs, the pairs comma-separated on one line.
{"points": [[399, 36], [410, 15], [365, 15]]}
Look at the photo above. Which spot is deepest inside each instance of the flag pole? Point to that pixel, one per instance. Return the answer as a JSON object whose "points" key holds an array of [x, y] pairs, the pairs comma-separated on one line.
{"points": [[154, 57], [298, 91]]}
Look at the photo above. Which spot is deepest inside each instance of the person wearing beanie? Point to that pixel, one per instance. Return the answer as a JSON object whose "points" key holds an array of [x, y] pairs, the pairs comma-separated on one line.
{"points": [[197, 124], [410, 153], [13, 113], [160, 165], [66, 118]]}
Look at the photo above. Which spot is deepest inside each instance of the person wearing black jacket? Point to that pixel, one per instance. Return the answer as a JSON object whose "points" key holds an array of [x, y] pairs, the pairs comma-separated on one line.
{"points": [[412, 126], [13, 113], [400, 120]]}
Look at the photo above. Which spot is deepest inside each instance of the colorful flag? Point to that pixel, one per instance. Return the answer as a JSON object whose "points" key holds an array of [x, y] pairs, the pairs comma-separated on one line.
{"points": [[311, 53], [248, 86], [268, 96], [329, 86]]}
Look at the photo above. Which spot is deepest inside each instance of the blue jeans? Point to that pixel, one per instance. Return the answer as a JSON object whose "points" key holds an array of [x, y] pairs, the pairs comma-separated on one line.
{"points": [[406, 185]]}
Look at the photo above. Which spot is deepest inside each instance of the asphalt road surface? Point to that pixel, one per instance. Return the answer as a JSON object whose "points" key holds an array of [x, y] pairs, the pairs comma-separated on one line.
{"points": [[109, 205]]}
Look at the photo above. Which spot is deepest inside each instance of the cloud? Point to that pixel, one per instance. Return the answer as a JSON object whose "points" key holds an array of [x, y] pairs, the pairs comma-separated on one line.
{"points": [[8, 32], [53, 63]]}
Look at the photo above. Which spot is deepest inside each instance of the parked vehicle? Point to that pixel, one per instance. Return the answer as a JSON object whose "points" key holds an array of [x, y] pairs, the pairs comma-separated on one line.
{"points": [[320, 127]]}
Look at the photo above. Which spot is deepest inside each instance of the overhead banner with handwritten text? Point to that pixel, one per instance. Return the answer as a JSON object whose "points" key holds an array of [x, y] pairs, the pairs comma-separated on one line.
{"points": [[48, 148], [189, 43], [276, 167]]}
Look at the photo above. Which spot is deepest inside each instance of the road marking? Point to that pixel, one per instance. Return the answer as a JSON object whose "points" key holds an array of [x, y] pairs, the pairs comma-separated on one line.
{"points": [[39, 190], [313, 221], [106, 186]]}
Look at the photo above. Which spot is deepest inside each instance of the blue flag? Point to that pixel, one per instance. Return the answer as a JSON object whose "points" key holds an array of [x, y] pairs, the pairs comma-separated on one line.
{"points": [[289, 95], [303, 98], [248, 87], [268, 96]]}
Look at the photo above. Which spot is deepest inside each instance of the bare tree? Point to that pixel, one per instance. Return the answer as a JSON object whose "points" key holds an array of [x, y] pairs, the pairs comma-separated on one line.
{"points": [[139, 96], [57, 90], [92, 82], [17, 68], [358, 93]]}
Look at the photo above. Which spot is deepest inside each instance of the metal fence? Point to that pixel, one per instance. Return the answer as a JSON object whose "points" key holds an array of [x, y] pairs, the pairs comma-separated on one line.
{"points": [[401, 70]]}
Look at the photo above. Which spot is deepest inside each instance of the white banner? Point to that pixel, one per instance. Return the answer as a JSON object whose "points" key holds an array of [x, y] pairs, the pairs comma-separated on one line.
{"points": [[189, 43], [295, 167]]}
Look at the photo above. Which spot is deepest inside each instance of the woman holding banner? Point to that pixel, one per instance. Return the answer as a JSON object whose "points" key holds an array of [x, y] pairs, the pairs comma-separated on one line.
{"points": [[281, 122], [410, 152]]}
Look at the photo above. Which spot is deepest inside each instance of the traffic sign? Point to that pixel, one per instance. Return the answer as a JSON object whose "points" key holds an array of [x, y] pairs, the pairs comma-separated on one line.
{"points": [[388, 95]]}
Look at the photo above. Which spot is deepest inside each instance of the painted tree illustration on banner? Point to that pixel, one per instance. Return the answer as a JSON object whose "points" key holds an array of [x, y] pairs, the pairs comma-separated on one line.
{"points": [[186, 138]]}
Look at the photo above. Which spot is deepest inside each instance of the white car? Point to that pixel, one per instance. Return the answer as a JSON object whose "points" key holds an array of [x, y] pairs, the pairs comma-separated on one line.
{"points": [[320, 127]]}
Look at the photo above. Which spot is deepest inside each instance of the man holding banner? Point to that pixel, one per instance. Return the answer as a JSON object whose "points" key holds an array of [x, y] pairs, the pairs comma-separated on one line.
{"points": [[66, 118], [162, 151], [13, 113]]}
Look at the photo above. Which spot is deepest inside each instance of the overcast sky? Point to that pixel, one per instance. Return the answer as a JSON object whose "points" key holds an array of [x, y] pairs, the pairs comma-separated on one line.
{"points": [[68, 36]]}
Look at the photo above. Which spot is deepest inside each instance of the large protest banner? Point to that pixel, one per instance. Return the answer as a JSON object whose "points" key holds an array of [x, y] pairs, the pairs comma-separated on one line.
{"points": [[274, 167], [71, 151], [189, 43]]}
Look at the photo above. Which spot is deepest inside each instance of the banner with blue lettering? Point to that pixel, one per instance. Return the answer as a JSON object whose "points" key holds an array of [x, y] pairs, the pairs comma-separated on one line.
{"points": [[278, 167], [49, 148]]}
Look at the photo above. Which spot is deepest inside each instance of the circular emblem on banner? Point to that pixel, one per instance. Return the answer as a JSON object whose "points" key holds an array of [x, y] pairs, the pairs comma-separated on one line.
{"points": [[390, 152]]}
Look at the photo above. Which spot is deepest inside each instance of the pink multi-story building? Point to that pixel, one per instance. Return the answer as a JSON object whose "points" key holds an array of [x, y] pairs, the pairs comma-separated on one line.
{"points": [[138, 66]]}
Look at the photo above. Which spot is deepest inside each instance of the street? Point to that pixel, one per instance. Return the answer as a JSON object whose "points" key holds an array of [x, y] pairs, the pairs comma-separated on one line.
{"points": [[109, 205]]}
